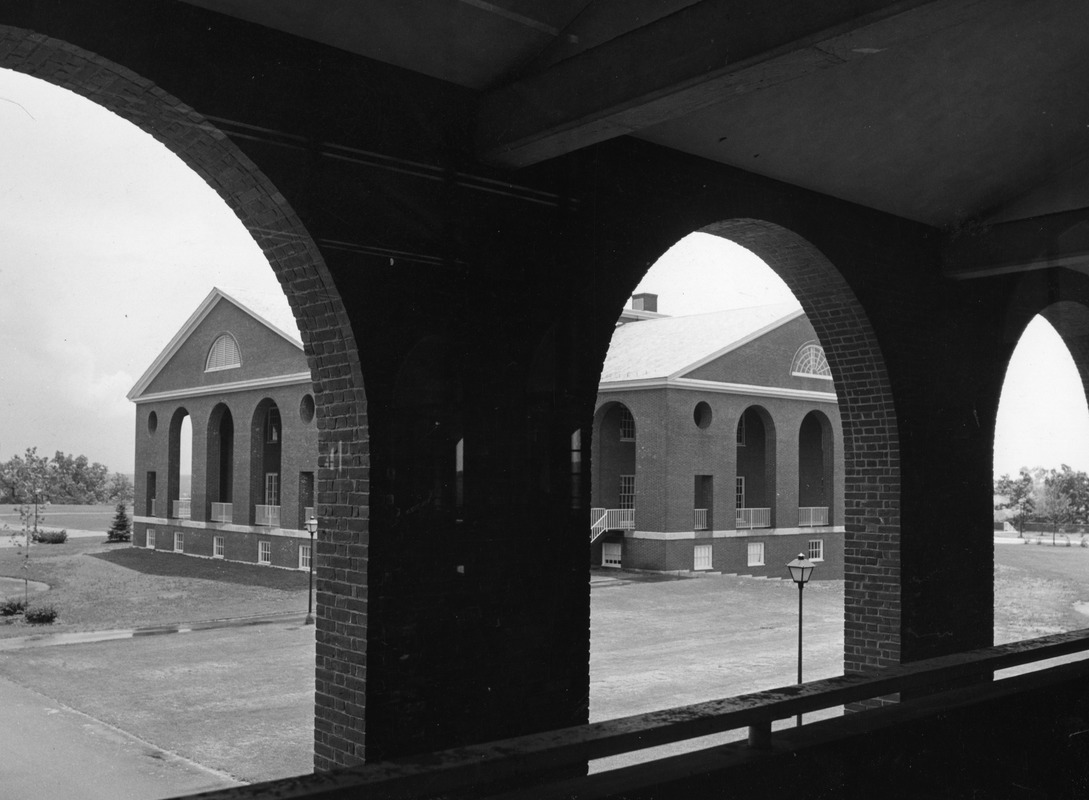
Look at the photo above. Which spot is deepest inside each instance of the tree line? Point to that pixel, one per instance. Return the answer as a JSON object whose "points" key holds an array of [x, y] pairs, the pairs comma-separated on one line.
{"points": [[64, 479], [1055, 497]]}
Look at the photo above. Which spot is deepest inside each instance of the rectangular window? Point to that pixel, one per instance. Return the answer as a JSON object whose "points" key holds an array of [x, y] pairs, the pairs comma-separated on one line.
{"points": [[816, 550], [304, 556], [739, 491], [272, 426], [150, 538], [627, 426], [702, 557], [627, 491], [179, 542], [272, 488], [264, 552], [611, 554], [756, 554], [217, 547]]}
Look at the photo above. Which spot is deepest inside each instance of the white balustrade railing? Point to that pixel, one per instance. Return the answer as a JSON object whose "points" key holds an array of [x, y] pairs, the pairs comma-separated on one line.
{"points": [[182, 509], [610, 519], [308, 512], [699, 521], [812, 516], [753, 518], [222, 512], [268, 516]]}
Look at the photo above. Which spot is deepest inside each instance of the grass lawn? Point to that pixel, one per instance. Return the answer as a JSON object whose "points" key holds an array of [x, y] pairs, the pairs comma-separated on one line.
{"points": [[99, 586], [1037, 590]]}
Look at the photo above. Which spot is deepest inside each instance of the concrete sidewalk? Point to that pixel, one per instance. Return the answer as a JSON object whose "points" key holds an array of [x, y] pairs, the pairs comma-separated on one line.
{"points": [[85, 637]]}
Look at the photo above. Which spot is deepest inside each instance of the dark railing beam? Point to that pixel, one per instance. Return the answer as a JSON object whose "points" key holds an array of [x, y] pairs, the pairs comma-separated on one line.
{"points": [[550, 751]]}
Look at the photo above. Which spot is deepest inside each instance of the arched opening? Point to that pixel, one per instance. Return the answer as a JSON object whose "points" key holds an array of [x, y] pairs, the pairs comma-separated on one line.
{"points": [[305, 280], [754, 487], [777, 437], [1041, 479], [266, 453], [613, 485], [816, 471], [179, 465], [219, 470]]}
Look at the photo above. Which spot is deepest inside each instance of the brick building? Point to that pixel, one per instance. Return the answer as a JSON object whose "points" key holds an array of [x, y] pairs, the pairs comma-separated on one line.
{"points": [[244, 384], [717, 444], [424, 178]]}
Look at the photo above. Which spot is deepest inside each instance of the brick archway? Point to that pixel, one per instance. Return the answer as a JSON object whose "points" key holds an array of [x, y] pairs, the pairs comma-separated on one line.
{"points": [[870, 438], [326, 331]]}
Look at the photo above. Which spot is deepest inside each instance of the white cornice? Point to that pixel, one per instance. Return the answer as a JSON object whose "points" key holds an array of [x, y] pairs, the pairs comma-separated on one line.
{"points": [[224, 388], [718, 387]]}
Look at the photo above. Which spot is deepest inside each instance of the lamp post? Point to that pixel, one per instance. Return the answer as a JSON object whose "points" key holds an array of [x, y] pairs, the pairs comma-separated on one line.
{"points": [[800, 569], [311, 527]]}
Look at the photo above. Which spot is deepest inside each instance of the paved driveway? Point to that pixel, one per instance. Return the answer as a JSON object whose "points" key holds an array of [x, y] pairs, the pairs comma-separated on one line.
{"points": [[156, 716]]}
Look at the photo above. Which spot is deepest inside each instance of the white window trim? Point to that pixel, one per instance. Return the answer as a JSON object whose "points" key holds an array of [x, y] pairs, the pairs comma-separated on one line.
{"points": [[304, 563], [179, 542], [223, 337], [749, 554], [704, 550], [150, 542], [627, 417], [218, 547], [272, 488], [612, 555], [809, 550], [807, 355], [264, 552], [626, 497]]}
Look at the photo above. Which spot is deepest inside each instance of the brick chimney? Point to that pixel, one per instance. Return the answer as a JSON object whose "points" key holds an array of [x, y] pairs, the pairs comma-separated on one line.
{"points": [[644, 302]]}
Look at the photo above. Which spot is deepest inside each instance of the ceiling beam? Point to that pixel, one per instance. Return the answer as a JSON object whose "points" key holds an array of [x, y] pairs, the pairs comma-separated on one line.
{"points": [[1055, 240], [694, 58]]}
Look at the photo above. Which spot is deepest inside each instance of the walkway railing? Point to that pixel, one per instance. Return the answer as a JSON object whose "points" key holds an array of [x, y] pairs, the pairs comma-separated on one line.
{"points": [[222, 512], [699, 521], [753, 518], [812, 516], [610, 519], [182, 509], [527, 760], [269, 516]]}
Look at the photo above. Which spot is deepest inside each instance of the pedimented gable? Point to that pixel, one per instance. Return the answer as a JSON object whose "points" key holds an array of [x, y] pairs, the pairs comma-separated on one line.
{"points": [[223, 343], [767, 360]]}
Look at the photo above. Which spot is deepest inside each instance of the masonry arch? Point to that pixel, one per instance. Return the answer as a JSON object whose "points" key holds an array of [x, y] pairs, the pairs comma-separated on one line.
{"points": [[219, 471], [755, 481], [266, 459], [871, 450], [300, 267], [181, 428], [816, 471]]}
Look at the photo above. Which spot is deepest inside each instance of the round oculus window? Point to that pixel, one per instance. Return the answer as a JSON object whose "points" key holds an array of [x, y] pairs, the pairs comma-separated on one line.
{"points": [[701, 415]]}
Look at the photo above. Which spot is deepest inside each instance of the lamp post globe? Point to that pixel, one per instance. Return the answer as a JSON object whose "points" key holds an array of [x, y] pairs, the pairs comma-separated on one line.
{"points": [[800, 569]]}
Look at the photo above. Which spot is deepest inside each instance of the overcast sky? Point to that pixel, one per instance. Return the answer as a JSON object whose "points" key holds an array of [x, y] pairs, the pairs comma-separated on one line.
{"points": [[108, 243]]}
